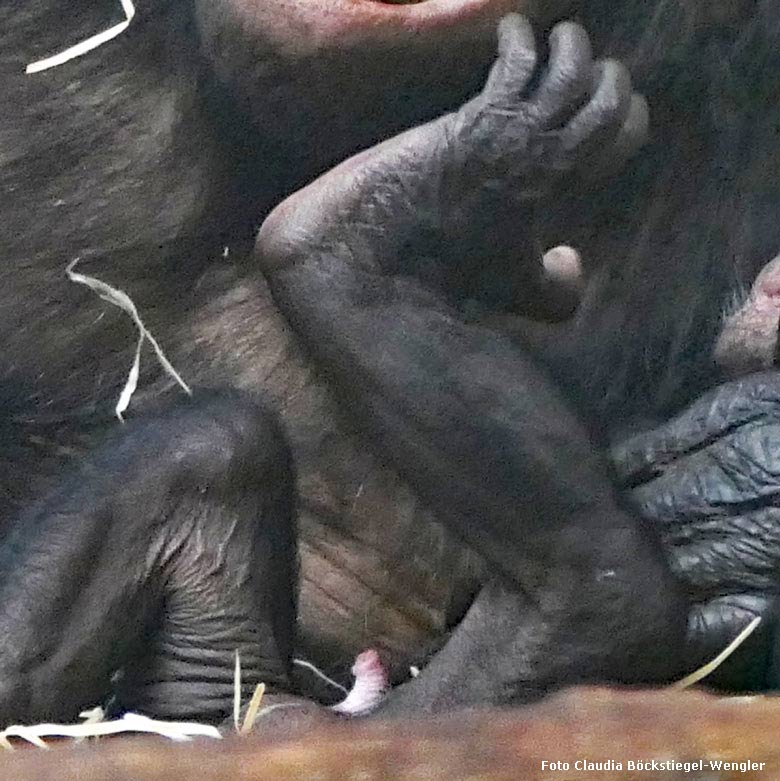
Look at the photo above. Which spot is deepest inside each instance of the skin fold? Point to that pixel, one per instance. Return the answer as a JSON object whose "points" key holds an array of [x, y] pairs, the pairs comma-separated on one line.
{"points": [[364, 423]]}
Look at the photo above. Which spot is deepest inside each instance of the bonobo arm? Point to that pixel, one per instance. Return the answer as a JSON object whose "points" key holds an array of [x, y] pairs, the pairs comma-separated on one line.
{"points": [[708, 481], [476, 427]]}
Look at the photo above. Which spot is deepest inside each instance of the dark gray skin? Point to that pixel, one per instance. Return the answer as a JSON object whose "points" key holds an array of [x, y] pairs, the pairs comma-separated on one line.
{"points": [[172, 546], [141, 161], [156, 682], [459, 412], [595, 598]]}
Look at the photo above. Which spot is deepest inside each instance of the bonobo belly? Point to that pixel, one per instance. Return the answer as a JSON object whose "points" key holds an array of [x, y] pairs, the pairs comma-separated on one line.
{"points": [[376, 570]]}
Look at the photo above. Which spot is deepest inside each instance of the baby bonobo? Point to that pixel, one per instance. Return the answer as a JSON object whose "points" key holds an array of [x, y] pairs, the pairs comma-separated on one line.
{"points": [[477, 428]]}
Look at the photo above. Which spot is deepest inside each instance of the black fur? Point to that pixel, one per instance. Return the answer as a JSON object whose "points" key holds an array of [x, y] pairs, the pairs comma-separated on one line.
{"points": [[695, 218], [154, 153]]}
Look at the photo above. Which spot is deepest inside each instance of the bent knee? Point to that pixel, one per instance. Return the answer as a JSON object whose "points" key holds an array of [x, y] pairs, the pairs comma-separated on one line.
{"points": [[219, 437], [229, 437], [219, 442]]}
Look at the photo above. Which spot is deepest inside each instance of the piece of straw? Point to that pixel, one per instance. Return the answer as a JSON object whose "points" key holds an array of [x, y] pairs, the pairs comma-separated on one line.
{"points": [[321, 675], [237, 692], [85, 46], [121, 300], [130, 722], [252, 709], [706, 669]]}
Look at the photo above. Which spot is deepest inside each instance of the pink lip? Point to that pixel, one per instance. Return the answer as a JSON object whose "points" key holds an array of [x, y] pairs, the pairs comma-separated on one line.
{"points": [[422, 15], [334, 24]]}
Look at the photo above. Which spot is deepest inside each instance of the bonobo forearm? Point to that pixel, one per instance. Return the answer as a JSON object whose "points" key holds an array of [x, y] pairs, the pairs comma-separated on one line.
{"points": [[457, 400], [477, 429]]}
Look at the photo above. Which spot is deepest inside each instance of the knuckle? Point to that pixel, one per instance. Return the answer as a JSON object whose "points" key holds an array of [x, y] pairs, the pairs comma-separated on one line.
{"points": [[569, 75], [639, 115], [568, 30], [516, 69], [524, 60], [613, 94], [570, 78], [617, 74], [609, 105], [517, 60]]}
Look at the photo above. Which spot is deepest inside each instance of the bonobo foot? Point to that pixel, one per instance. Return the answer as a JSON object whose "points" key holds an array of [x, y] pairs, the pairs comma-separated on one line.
{"points": [[498, 655], [518, 137], [371, 263], [172, 549], [450, 202], [508, 146]]}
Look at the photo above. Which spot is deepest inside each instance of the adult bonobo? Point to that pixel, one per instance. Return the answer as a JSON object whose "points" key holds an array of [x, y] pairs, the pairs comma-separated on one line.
{"points": [[154, 158], [173, 545]]}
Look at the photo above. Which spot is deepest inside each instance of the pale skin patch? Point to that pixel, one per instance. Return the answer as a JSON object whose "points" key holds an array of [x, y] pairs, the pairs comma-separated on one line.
{"points": [[748, 339], [285, 715], [563, 267], [563, 287], [371, 685]]}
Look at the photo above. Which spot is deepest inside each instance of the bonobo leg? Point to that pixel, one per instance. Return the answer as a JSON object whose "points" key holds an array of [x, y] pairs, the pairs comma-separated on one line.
{"points": [[476, 427], [169, 551]]}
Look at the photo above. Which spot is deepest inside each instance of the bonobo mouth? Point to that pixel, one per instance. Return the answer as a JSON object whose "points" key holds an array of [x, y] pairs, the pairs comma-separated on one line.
{"points": [[331, 24], [321, 79], [413, 15]]}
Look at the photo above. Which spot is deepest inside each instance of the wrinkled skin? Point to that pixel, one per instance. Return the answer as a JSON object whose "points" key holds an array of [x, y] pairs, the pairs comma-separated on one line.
{"points": [[708, 482], [160, 159], [141, 161], [363, 320]]}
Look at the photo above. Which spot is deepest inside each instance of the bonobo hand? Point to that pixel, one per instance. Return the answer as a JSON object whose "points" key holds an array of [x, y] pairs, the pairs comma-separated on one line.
{"points": [[709, 482], [581, 114]]}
